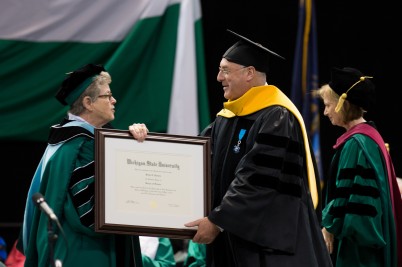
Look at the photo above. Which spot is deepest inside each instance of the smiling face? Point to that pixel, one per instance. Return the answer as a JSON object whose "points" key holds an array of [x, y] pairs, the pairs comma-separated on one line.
{"points": [[234, 79]]}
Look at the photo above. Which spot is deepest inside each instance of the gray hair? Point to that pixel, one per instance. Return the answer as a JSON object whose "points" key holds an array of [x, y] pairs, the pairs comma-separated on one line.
{"points": [[92, 91]]}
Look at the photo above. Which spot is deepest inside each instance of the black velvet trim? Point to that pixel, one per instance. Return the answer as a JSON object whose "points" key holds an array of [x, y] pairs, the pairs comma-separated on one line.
{"points": [[354, 208], [278, 163], [356, 189], [350, 173], [275, 184], [280, 141], [268, 161], [296, 147], [88, 219], [272, 140], [83, 197], [60, 134], [82, 173]]}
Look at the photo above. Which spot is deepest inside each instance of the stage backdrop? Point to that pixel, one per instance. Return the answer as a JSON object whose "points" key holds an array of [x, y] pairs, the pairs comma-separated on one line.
{"points": [[153, 50]]}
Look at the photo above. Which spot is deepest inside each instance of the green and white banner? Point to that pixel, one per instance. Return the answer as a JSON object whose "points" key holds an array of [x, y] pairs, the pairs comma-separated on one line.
{"points": [[152, 48]]}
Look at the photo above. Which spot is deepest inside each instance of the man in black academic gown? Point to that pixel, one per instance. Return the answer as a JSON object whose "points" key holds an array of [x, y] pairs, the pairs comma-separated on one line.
{"points": [[264, 181]]}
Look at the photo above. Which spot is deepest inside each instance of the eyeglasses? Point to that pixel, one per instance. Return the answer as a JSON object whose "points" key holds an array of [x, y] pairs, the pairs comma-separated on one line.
{"points": [[106, 95], [227, 71]]}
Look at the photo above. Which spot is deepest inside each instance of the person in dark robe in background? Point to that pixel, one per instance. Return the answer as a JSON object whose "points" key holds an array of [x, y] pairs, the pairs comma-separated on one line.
{"points": [[265, 184], [65, 178], [362, 216]]}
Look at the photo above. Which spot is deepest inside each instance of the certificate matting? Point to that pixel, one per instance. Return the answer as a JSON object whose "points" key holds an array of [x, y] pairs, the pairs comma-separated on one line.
{"points": [[151, 188]]}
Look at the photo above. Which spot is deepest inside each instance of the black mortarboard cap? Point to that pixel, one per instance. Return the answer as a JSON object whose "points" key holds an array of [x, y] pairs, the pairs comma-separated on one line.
{"points": [[248, 53], [76, 82], [350, 84]]}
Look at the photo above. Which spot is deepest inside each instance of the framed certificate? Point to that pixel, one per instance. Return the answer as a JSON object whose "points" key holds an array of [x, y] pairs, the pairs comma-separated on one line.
{"points": [[151, 188]]}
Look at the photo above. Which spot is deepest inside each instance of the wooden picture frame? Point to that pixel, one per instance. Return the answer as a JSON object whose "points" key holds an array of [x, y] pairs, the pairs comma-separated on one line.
{"points": [[151, 188]]}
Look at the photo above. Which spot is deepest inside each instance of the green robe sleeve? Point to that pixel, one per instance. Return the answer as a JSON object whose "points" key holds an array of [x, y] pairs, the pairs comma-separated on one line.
{"points": [[164, 255]]}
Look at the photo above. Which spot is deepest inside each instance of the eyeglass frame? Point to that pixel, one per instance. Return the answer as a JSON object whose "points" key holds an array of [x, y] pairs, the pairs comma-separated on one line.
{"points": [[106, 95], [226, 72]]}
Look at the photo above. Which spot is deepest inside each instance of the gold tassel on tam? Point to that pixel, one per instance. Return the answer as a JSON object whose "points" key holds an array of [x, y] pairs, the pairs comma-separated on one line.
{"points": [[340, 102], [345, 95]]}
